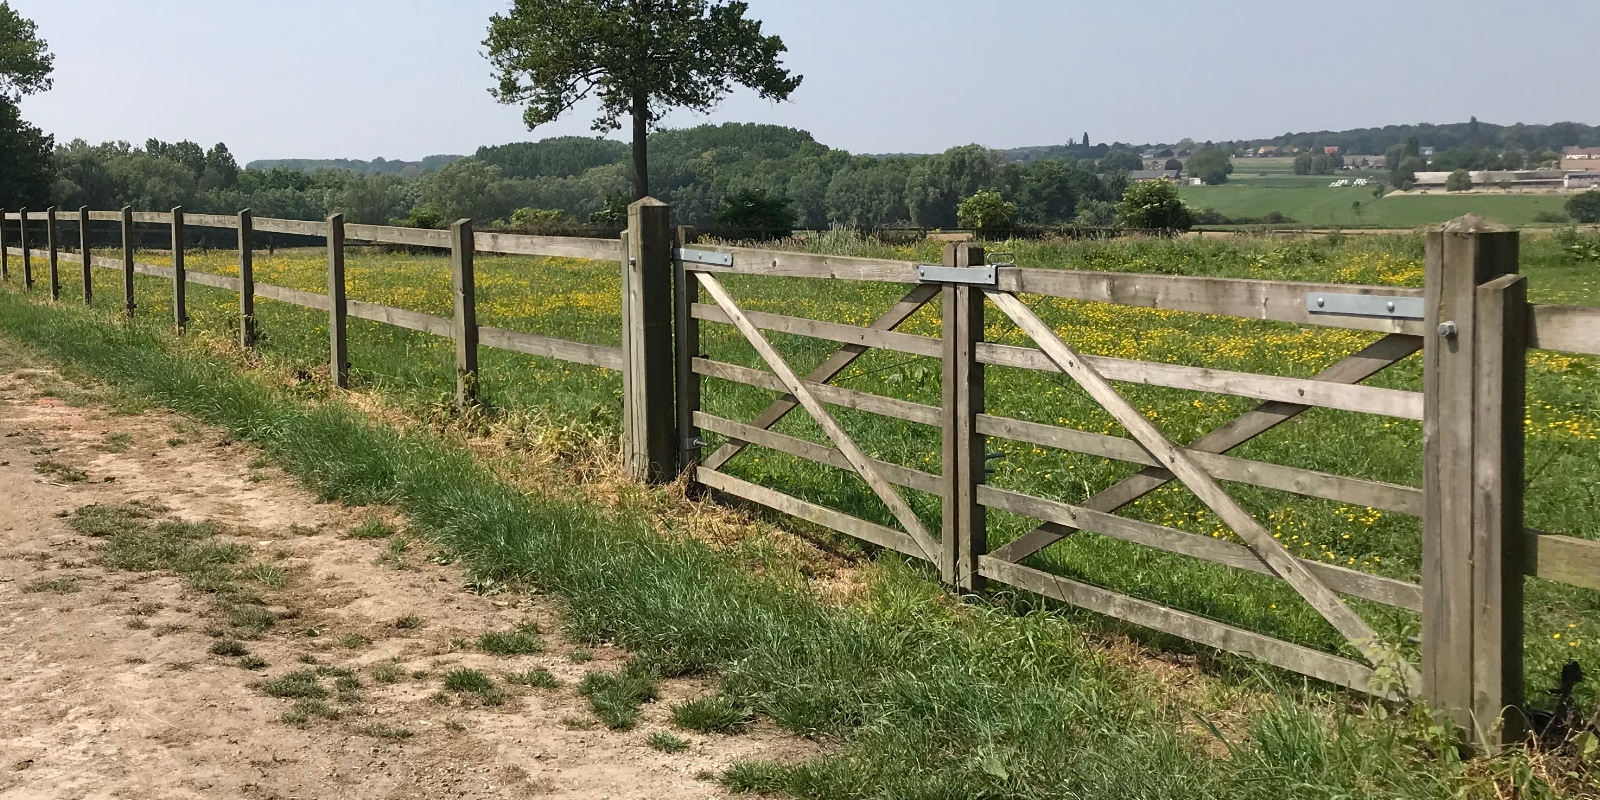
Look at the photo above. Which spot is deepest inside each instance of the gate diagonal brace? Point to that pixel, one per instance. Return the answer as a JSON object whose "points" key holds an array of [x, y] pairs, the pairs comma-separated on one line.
{"points": [[1324, 600], [863, 466]]}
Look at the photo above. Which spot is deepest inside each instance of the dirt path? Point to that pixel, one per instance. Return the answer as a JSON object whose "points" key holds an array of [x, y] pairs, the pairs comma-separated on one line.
{"points": [[108, 687]]}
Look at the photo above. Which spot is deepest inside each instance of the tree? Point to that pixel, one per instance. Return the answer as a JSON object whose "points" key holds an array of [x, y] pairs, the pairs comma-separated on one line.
{"points": [[1154, 205], [1173, 165], [1404, 174], [1121, 161], [467, 190], [1051, 190], [758, 210], [1303, 164], [1459, 181], [637, 57], [25, 59], [1585, 207], [986, 211], [1096, 214], [1211, 165], [937, 184]]}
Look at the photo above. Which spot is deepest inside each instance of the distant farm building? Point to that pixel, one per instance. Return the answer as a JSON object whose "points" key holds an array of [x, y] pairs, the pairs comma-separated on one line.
{"points": [[1583, 180], [1142, 175], [1581, 159], [1506, 179], [1371, 162]]}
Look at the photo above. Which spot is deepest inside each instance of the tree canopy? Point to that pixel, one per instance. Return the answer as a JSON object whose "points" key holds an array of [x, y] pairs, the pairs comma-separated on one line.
{"points": [[636, 57], [25, 59], [1211, 165], [1585, 207], [25, 67], [1154, 205]]}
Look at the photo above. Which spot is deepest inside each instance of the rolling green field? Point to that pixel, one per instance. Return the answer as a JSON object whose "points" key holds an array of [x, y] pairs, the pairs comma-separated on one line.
{"points": [[579, 300], [1259, 187]]}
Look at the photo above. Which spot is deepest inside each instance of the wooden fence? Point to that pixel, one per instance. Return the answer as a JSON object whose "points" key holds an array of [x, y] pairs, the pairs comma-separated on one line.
{"points": [[1471, 322]]}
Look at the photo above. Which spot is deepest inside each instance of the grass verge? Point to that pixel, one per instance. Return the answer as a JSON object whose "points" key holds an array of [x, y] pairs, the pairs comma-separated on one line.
{"points": [[929, 699]]}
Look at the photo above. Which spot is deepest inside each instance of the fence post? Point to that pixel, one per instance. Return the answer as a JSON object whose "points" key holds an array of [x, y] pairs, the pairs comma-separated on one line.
{"points": [[338, 310], [1473, 538], [650, 444], [5, 254], [965, 531], [247, 279], [686, 340], [127, 260], [462, 249], [27, 253], [180, 275], [52, 235], [88, 257]]}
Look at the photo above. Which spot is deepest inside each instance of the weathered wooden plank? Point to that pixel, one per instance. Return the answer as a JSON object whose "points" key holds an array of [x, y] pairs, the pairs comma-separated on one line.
{"points": [[103, 216], [152, 217], [964, 452], [53, 257], [215, 281], [401, 318], [26, 252], [1497, 525], [210, 221], [5, 250], [298, 227], [1306, 584], [1292, 657], [685, 346], [830, 331], [180, 280], [810, 512], [126, 265], [1352, 369], [1305, 391], [85, 255], [1566, 559], [67, 216], [901, 510], [822, 454], [1575, 329], [592, 355], [1354, 491], [338, 306], [1340, 579], [388, 234], [295, 297], [549, 246], [247, 279], [1456, 263], [837, 363], [464, 302], [833, 395], [750, 261], [650, 421], [1280, 301]]}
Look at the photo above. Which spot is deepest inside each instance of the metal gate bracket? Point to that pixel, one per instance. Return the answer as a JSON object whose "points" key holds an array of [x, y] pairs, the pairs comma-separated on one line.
{"points": [[1365, 305], [691, 256], [973, 276]]}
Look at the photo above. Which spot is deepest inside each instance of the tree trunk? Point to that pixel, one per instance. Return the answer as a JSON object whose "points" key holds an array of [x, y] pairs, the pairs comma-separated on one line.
{"points": [[641, 146]]}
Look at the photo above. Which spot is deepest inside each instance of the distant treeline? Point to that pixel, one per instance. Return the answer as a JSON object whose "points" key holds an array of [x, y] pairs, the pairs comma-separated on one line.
{"points": [[377, 166], [759, 177]]}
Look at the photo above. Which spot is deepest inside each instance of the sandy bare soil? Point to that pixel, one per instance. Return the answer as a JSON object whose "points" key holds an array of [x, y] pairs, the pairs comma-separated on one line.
{"points": [[108, 688]]}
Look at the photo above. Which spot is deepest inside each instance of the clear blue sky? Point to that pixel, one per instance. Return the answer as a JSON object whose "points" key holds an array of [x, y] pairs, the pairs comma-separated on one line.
{"points": [[407, 78]]}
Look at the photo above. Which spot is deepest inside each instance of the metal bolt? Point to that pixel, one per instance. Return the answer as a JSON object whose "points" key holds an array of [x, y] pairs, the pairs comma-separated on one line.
{"points": [[1391, 306], [1321, 302], [1448, 330]]}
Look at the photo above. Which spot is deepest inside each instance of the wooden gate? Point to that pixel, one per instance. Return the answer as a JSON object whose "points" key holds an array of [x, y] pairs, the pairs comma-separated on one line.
{"points": [[1471, 323]]}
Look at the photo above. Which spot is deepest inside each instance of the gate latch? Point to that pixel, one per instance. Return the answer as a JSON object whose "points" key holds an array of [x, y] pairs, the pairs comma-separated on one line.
{"points": [[1365, 305], [971, 276]]}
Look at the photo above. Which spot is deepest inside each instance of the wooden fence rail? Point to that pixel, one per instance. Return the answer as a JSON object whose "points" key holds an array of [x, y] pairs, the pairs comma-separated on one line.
{"points": [[1473, 330]]}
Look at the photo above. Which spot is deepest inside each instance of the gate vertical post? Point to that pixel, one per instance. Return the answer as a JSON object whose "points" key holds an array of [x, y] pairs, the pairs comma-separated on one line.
{"points": [[180, 275], [464, 283], [88, 258], [52, 235], [965, 531], [338, 306], [686, 340], [650, 444], [5, 255], [27, 253], [127, 260], [247, 279], [1473, 537]]}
